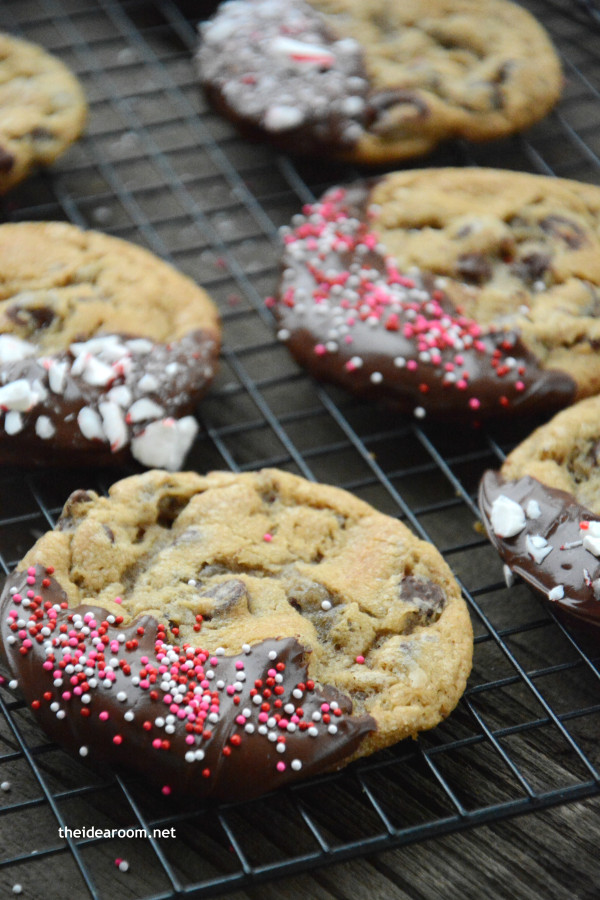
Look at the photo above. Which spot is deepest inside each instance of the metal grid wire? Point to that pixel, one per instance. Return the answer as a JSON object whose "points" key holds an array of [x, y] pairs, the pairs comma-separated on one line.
{"points": [[159, 168]]}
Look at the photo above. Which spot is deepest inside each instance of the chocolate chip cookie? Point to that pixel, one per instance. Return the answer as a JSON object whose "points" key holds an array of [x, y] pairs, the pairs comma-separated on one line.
{"points": [[226, 634], [379, 81], [104, 350], [542, 511], [455, 292], [42, 109]]}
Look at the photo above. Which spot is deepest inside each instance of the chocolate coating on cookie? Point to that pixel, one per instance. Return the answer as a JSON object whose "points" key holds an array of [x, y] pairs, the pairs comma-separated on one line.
{"points": [[351, 317], [548, 539], [195, 723], [372, 83]]}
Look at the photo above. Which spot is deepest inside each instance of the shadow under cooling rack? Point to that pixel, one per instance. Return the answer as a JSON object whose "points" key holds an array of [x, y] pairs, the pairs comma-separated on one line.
{"points": [[159, 168]]}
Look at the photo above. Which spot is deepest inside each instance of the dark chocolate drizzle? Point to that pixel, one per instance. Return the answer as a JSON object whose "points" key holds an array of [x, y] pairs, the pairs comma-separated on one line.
{"points": [[306, 321], [575, 568], [237, 762], [182, 369]]}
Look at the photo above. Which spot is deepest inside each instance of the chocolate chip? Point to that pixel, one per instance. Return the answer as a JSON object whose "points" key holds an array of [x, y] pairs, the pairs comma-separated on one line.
{"points": [[34, 318], [389, 109], [169, 508], [41, 134], [568, 231], [474, 267], [224, 598], [65, 521], [7, 160], [533, 266], [427, 596]]}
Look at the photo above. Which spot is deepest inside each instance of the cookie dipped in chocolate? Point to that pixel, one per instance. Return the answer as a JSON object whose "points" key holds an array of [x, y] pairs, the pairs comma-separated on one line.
{"points": [[548, 539], [196, 723], [349, 316]]}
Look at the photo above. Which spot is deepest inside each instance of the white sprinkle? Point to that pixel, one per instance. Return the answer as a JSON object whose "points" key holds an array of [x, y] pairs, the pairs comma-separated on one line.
{"points": [[90, 424], [113, 424], [121, 395], [165, 444], [400, 362], [190, 756], [376, 377], [557, 593], [419, 412], [507, 517], [326, 605], [122, 696], [83, 751], [13, 349], [249, 728], [5, 786], [129, 715], [17, 889], [533, 510], [144, 409], [312, 731], [44, 427], [282, 118], [148, 383], [509, 576], [537, 547], [296, 765], [272, 655], [18, 395], [592, 543], [13, 422], [123, 866]]}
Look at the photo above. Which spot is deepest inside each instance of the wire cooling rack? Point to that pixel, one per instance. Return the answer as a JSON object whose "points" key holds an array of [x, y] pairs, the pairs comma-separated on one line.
{"points": [[159, 168]]}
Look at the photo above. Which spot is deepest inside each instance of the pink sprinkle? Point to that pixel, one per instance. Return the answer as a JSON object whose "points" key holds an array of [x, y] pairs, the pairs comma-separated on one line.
{"points": [[230, 690], [360, 660], [31, 570], [66, 695], [143, 660], [118, 600], [267, 537], [30, 579], [189, 739], [320, 349], [103, 716], [166, 790], [519, 386], [281, 766], [239, 664], [157, 743], [240, 720], [47, 665], [474, 403]]}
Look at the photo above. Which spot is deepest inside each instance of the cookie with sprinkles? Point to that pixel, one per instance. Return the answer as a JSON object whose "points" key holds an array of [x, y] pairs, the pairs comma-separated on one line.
{"points": [[226, 634], [104, 350], [377, 82], [542, 511], [42, 109], [455, 292]]}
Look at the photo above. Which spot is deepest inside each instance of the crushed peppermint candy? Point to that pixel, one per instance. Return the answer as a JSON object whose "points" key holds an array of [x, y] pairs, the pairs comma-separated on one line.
{"points": [[111, 390]]}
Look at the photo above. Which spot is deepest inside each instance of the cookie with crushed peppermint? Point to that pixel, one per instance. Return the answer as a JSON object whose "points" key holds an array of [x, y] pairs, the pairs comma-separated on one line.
{"points": [[542, 511], [377, 82], [468, 293], [42, 109], [226, 634], [104, 350]]}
